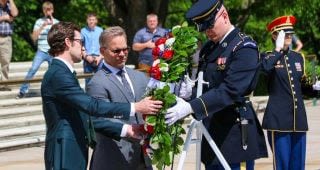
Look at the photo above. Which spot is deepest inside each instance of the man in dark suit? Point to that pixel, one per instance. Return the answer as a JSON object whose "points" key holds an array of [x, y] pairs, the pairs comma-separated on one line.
{"points": [[108, 85], [230, 63], [67, 108]]}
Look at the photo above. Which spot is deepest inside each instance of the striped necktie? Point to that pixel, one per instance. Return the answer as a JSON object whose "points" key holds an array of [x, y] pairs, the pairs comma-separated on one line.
{"points": [[125, 83]]}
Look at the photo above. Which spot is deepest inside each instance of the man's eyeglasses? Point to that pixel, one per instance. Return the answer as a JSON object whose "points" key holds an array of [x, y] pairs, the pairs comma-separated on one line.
{"points": [[78, 40], [118, 51]]}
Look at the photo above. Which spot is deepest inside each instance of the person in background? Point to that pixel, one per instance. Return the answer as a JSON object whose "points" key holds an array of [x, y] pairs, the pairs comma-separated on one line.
{"points": [[296, 42], [285, 116], [230, 64], [8, 11], [68, 110], [90, 35], [144, 40], [109, 85], [39, 36]]}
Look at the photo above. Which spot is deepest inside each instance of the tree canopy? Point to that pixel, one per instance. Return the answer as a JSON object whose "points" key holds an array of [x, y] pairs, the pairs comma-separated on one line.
{"points": [[251, 16]]}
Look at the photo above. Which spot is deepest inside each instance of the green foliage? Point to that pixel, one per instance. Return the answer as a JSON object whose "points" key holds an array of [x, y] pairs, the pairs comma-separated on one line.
{"points": [[29, 12], [250, 16], [312, 71], [184, 46], [167, 138], [177, 12]]}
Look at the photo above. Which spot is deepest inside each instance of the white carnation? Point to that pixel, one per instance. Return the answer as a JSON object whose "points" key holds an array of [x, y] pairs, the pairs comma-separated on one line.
{"points": [[161, 47], [170, 42]]}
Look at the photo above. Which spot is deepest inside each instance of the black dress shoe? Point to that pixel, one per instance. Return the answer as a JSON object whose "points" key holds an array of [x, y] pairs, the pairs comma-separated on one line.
{"points": [[20, 95]]}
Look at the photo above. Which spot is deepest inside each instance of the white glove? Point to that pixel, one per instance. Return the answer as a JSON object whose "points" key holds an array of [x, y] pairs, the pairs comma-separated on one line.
{"points": [[178, 111], [316, 86], [280, 40], [153, 83], [186, 88]]}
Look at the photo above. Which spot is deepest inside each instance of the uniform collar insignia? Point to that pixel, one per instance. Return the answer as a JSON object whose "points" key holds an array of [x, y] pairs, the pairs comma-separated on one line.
{"points": [[224, 44]]}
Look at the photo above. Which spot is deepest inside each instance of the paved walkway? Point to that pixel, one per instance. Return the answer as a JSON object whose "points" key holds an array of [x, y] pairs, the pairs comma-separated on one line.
{"points": [[32, 158]]}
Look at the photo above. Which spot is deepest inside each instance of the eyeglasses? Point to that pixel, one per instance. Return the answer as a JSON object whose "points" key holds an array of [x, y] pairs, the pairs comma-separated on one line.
{"points": [[215, 20], [288, 35], [118, 51], [78, 40]]}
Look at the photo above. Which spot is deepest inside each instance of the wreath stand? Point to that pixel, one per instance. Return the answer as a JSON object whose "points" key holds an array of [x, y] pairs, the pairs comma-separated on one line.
{"points": [[200, 130]]}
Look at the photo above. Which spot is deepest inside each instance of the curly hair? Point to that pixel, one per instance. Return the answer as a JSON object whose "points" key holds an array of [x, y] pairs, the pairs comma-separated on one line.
{"points": [[57, 35]]}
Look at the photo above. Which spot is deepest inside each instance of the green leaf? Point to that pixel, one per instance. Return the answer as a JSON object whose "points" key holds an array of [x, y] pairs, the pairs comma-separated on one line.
{"points": [[151, 120]]}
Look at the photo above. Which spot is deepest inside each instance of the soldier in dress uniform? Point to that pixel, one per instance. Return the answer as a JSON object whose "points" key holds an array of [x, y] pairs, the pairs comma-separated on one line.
{"points": [[285, 117], [230, 62]]}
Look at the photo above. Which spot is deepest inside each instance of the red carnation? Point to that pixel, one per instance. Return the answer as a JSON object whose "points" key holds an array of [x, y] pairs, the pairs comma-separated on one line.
{"points": [[148, 128], [145, 146], [155, 72], [155, 51], [168, 54], [161, 40]]}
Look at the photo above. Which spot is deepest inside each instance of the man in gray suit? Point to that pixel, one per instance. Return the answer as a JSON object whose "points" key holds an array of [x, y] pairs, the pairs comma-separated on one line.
{"points": [[117, 83]]}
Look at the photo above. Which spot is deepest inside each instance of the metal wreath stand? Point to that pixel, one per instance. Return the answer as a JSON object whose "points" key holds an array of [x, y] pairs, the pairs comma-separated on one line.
{"points": [[200, 130]]}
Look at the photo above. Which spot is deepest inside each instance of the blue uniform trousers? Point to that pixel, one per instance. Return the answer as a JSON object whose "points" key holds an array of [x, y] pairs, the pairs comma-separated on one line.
{"points": [[248, 165], [289, 150]]}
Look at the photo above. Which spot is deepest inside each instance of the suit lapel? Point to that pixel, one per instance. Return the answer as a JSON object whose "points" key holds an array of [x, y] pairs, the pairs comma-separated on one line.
{"points": [[117, 83], [113, 79]]}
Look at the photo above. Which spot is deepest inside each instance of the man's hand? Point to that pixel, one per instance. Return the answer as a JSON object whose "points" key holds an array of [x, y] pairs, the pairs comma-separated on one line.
{"points": [[134, 131], [280, 41], [7, 18], [98, 60], [148, 106], [150, 44], [90, 59], [178, 111]]}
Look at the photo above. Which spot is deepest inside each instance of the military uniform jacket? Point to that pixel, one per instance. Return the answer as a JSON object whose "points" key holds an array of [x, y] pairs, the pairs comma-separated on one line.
{"points": [[231, 69], [285, 109]]}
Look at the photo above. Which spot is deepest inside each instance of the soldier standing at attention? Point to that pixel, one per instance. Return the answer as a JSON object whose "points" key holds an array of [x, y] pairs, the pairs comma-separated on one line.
{"points": [[230, 62], [285, 117]]}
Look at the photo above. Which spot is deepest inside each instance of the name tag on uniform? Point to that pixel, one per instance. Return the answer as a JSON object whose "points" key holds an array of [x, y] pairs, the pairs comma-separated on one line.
{"points": [[298, 66], [279, 66]]}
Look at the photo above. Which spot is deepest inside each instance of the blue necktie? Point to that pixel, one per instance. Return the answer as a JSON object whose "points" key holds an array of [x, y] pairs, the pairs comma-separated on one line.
{"points": [[125, 83]]}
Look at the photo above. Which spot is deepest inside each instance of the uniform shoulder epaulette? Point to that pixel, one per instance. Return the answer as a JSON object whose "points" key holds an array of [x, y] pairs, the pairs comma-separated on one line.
{"points": [[267, 54], [296, 52], [246, 41]]}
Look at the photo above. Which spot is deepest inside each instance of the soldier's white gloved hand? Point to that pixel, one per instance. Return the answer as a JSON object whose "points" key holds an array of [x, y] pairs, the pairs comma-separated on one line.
{"points": [[178, 111], [280, 40], [186, 88], [316, 86]]}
